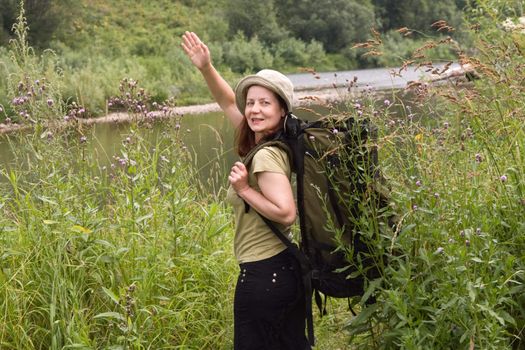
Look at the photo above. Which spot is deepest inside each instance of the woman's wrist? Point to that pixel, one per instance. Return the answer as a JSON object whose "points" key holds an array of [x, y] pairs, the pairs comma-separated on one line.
{"points": [[242, 191], [206, 68]]}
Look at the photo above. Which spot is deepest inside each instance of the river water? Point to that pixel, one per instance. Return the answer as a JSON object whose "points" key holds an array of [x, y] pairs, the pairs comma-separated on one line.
{"points": [[209, 135]]}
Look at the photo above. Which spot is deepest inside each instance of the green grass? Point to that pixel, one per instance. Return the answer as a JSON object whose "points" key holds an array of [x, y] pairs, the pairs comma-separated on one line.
{"points": [[99, 256], [127, 250]]}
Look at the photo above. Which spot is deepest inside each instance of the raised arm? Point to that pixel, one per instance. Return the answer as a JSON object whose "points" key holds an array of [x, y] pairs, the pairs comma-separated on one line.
{"points": [[200, 56]]}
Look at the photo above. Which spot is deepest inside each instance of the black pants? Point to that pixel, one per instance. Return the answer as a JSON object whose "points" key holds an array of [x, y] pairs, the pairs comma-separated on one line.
{"points": [[269, 307]]}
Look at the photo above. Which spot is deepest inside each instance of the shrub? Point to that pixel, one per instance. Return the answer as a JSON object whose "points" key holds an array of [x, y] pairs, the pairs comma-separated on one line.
{"points": [[111, 251], [293, 52], [33, 83], [244, 56]]}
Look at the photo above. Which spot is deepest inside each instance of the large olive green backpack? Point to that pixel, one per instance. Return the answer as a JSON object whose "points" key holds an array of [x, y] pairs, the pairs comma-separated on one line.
{"points": [[342, 201]]}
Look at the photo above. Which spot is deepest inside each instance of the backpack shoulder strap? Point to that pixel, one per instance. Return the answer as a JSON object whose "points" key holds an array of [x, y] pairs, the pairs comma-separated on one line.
{"points": [[247, 160], [274, 142]]}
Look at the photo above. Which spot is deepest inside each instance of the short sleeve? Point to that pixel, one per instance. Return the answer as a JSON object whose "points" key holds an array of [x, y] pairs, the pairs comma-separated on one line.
{"points": [[272, 159]]}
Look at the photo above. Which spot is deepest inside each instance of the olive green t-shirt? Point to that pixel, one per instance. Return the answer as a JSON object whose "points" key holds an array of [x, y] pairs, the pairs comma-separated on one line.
{"points": [[254, 240]]}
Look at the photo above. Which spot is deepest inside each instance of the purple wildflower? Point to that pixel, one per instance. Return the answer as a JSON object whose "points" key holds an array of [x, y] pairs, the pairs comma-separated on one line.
{"points": [[49, 102], [387, 102], [83, 139], [479, 158], [503, 178]]}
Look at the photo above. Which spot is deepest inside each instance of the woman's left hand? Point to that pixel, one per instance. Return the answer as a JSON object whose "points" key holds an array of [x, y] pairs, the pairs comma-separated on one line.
{"points": [[239, 177]]}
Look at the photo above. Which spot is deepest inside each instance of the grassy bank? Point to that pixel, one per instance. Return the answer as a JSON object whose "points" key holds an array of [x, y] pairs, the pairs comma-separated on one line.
{"points": [[128, 255], [133, 253]]}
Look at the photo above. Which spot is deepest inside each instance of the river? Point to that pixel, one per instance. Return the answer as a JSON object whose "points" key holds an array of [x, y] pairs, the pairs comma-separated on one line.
{"points": [[209, 135]]}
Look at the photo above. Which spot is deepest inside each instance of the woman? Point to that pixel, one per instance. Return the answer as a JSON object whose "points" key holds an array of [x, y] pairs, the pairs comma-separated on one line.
{"points": [[269, 310]]}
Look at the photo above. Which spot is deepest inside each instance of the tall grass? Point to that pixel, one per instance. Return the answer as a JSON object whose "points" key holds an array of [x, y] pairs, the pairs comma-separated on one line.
{"points": [[101, 250], [454, 159], [123, 250], [33, 84], [124, 256]]}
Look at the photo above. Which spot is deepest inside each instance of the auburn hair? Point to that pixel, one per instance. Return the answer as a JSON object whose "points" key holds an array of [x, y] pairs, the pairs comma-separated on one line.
{"points": [[245, 137]]}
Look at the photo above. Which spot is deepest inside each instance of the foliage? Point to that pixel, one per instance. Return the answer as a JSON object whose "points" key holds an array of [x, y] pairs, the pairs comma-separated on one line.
{"points": [[396, 49], [96, 43], [255, 20], [244, 56], [454, 159], [296, 53], [32, 83], [335, 23], [417, 15], [122, 252], [45, 18]]}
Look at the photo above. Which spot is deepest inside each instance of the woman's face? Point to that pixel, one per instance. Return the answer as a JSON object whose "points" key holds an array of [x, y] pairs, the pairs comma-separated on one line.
{"points": [[263, 111]]}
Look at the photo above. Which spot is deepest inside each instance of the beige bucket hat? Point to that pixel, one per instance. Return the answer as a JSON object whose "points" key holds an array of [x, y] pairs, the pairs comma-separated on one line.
{"points": [[270, 79]]}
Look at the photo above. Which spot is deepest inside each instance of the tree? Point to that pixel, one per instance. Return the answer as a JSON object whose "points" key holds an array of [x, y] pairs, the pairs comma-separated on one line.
{"points": [[417, 14], [8, 13], [254, 19], [43, 18], [335, 23]]}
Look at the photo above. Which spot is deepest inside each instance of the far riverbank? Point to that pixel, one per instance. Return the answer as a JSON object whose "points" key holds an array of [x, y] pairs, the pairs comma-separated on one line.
{"points": [[310, 88]]}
